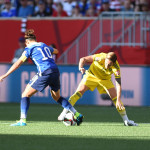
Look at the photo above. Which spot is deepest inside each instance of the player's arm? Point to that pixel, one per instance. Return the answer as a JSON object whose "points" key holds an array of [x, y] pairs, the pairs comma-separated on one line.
{"points": [[55, 51], [83, 61], [116, 71], [15, 66], [118, 87]]}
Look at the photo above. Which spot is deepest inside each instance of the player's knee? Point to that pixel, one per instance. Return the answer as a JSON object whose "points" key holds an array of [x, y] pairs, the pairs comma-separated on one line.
{"points": [[82, 89], [55, 94], [24, 94], [81, 92]]}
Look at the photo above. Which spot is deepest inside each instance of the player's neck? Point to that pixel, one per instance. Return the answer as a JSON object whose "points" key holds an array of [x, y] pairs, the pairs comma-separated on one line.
{"points": [[31, 43]]}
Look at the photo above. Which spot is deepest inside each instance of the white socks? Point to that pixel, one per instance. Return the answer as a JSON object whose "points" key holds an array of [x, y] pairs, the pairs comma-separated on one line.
{"points": [[73, 111], [124, 117]]}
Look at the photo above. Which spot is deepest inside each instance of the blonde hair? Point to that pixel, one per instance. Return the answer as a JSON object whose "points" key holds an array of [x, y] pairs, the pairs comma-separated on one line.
{"points": [[112, 56]]}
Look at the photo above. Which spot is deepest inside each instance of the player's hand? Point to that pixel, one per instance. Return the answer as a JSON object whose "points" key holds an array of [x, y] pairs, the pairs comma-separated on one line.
{"points": [[82, 70], [2, 77], [119, 105]]}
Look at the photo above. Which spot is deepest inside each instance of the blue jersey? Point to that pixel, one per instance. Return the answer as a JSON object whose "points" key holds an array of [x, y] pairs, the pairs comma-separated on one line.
{"points": [[41, 55]]}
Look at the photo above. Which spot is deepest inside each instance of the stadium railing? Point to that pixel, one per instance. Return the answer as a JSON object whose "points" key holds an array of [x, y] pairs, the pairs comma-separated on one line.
{"points": [[110, 29]]}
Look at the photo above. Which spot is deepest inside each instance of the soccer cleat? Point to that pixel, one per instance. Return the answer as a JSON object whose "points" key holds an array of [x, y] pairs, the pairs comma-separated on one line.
{"points": [[78, 118], [130, 123], [21, 122], [61, 117]]}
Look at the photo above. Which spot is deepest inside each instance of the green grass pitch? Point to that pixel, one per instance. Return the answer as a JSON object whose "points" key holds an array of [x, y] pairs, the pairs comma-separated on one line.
{"points": [[102, 129]]}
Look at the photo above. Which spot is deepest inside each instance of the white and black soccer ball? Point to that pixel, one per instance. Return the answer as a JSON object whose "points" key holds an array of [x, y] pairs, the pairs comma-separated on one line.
{"points": [[69, 120]]}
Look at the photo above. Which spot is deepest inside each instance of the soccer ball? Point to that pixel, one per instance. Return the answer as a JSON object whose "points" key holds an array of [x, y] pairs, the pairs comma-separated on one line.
{"points": [[69, 120]]}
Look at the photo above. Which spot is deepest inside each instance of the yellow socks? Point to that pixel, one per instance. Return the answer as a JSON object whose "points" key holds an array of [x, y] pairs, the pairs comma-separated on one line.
{"points": [[121, 112], [74, 98]]}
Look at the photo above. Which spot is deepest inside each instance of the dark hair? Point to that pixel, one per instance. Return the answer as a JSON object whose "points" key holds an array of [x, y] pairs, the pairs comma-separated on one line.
{"points": [[112, 56], [53, 45], [29, 34]]}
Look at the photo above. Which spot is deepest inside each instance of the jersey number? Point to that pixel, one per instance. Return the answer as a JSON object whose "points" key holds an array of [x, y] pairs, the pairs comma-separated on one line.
{"points": [[46, 53]]}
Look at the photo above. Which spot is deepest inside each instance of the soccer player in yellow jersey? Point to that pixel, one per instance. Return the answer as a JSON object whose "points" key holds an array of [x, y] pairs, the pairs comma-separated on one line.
{"points": [[99, 76]]}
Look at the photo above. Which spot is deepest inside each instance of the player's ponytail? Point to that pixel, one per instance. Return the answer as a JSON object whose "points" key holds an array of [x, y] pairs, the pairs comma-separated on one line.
{"points": [[29, 34]]}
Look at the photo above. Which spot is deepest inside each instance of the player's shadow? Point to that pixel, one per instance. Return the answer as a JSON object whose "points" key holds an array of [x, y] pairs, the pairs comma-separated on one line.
{"points": [[56, 142]]}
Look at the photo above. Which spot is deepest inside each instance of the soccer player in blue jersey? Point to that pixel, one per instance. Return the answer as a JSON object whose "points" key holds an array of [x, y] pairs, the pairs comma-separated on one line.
{"points": [[48, 75]]}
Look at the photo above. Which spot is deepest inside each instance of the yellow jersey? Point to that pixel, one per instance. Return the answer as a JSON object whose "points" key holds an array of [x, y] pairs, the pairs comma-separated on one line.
{"points": [[97, 68]]}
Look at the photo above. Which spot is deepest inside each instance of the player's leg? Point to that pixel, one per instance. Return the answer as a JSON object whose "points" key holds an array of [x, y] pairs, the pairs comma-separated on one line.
{"points": [[67, 106], [112, 93], [35, 84], [89, 82], [55, 92], [24, 105], [25, 101], [73, 99], [62, 101], [82, 88]]}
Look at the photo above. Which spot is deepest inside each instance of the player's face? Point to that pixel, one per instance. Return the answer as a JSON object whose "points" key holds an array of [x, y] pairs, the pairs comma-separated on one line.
{"points": [[108, 63]]}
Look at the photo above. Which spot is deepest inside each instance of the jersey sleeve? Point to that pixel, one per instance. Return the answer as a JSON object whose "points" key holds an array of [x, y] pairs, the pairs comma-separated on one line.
{"points": [[116, 70], [25, 55], [27, 52]]}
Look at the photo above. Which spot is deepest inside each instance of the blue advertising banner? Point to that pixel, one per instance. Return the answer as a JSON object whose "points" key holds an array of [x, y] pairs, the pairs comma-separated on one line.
{"points": [[135, 86], [70, 77]]}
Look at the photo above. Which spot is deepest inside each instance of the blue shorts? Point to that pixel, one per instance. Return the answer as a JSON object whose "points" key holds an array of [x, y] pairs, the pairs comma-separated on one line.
{"points": [[48, 78]]}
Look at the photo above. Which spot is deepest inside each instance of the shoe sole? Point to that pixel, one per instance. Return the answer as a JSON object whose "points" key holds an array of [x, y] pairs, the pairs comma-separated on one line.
{"points": [[13, 125]]}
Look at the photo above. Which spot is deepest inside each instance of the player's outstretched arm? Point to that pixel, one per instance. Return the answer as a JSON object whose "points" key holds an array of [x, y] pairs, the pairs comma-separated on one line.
{"points": [[83, 61], [15, 66]]}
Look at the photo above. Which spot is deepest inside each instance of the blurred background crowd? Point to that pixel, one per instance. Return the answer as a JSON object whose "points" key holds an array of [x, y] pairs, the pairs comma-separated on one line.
{"points": [[68, 8]]}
